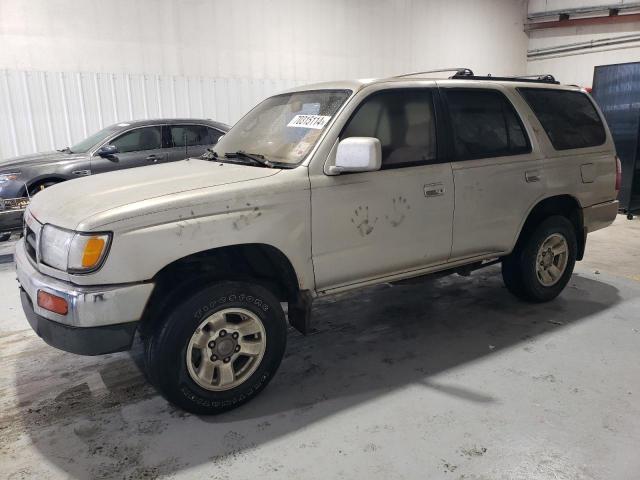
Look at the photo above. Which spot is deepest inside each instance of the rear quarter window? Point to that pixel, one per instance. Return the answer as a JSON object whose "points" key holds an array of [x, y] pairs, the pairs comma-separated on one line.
{"points": [[568, 117]]}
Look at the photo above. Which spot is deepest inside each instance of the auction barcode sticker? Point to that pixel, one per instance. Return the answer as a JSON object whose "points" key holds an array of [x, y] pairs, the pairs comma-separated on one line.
{"points": [[309, 121]]}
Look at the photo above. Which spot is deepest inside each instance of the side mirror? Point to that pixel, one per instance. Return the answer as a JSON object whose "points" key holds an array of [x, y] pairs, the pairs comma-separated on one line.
{"points": [[107, 150], [357, 154]]}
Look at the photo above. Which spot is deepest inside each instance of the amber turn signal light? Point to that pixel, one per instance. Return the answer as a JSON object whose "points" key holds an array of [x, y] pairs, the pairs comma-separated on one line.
{"points": [[92, 252], [52, 303]]}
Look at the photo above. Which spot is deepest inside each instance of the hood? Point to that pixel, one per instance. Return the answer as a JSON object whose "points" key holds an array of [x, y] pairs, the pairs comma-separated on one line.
{"points": [[34, 159], [69, 203]]}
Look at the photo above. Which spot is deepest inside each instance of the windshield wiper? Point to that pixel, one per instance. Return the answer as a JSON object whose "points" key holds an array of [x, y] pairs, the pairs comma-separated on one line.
{"points": [[254, 157], [65, 150]]}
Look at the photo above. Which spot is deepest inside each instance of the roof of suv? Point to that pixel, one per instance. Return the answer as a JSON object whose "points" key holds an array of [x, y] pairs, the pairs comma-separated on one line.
{"points": [[427, 77]]}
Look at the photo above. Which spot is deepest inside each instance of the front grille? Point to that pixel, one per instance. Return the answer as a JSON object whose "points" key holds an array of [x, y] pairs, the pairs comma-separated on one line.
{"points": [[30, 243]]}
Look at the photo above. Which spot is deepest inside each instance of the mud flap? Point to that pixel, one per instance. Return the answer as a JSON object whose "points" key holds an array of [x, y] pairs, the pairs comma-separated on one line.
{"points": [[300, 312]]}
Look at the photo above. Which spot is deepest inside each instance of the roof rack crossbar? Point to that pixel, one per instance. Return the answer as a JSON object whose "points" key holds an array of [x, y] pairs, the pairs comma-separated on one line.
{"points": [[461, 71]]}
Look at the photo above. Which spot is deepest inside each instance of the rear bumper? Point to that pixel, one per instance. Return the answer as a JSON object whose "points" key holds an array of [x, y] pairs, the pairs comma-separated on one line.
{"points": [[600, 215]]}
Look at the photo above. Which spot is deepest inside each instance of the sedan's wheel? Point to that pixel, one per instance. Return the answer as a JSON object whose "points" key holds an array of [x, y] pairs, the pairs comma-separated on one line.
{"points": [[226, 349], [541, 266], [218, 348], [38, 187]]}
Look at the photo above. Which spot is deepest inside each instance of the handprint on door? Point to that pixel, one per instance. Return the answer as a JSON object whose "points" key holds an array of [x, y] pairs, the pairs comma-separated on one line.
{"points": [[400, 211], [361, 220]]}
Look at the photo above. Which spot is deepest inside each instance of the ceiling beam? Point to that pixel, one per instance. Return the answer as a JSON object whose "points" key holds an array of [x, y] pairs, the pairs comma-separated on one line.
{"points": [[576, 22]]}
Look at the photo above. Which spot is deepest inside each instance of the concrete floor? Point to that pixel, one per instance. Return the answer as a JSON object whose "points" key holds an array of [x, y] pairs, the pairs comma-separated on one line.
{"points": [[450, 379]]}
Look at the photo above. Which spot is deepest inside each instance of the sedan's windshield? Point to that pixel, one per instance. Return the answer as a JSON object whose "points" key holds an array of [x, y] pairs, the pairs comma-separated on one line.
{"points": [[283, 128], [85, 145]]}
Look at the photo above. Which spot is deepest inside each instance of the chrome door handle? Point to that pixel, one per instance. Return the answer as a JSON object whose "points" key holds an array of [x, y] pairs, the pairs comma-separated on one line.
{"points": [[532, 176], [152, 158], [433, 190]]}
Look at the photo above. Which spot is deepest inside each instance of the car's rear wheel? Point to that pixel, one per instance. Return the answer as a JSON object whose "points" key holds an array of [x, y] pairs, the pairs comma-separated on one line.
{"points": [[541, 266], [217, 349]]}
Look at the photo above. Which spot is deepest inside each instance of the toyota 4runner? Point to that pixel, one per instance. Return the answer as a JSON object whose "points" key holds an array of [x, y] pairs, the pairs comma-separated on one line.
{"points": [[319, 190]]}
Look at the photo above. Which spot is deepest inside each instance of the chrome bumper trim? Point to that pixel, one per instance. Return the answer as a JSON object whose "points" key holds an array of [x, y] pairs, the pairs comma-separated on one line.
{"points": [[88, 306]]}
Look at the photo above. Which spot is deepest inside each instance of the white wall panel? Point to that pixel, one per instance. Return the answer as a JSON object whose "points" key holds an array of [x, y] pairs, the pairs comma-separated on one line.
{"points": [[46, 110], [102, 61], [576, 67]]}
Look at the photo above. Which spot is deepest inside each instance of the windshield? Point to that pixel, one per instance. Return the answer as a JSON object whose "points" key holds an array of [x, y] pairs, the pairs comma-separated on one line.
{"points": [[283, 128], [85, 145]]}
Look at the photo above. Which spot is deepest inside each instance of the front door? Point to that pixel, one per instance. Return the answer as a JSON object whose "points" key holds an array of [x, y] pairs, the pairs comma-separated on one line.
{"points": [[136, 148], [376, 224]]}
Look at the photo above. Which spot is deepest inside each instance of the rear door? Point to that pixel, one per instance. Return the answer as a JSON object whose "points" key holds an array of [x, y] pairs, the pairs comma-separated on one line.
{"points": [[136, 148], [496, 173], [186, 140]]}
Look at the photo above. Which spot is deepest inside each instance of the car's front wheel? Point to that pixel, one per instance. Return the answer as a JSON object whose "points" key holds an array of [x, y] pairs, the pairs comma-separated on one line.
{"points": [[540, 268], [217, 349]]}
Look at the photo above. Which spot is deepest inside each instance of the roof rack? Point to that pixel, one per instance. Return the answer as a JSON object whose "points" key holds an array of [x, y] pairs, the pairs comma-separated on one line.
{"points": [[545, 78], [460, 72]]}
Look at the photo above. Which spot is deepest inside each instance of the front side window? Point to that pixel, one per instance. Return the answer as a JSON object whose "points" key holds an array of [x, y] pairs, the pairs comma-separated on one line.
{"points": [[484, 124], [284, 128], [403, 121], [145, 138], [182, 135], [91, 141], [568, 117]]}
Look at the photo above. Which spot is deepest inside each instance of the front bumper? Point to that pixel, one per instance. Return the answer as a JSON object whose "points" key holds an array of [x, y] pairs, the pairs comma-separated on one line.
{"points": [[101, 319], [11, 213]]}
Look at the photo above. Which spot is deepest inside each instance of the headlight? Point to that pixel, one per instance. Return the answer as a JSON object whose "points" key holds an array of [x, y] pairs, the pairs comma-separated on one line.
{"points": [[71, 251], [6, 177]]}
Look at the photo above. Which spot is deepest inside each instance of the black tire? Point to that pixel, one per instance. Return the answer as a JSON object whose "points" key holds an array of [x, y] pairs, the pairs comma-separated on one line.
{"points": [[519, 268], [36, 188], [166, 346]]}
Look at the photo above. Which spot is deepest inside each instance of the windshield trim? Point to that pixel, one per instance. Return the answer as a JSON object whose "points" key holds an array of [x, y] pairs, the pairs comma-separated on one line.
{"points": [[304, 160]]}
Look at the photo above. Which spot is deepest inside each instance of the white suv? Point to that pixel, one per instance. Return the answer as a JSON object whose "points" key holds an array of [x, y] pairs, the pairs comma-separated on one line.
{"points": [[319, 190]]}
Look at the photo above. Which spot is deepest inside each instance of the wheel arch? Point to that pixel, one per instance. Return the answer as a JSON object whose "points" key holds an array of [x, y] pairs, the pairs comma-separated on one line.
{"points": [[260, 263], [43, 179], [565, 205]]}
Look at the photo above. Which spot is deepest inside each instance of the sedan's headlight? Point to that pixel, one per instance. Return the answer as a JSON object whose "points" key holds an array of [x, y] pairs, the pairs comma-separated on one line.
{"points": [[71, 251], [6, 177]]}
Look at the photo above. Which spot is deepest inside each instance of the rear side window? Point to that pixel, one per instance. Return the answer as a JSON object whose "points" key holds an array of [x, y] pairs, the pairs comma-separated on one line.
{"points": [[193, 135], [403, 121], [485, 124], [569, 118]]}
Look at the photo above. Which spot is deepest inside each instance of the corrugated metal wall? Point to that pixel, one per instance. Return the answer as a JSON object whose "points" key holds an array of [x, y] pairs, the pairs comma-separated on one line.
{"points": [[47, 110], [216, 58]]}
